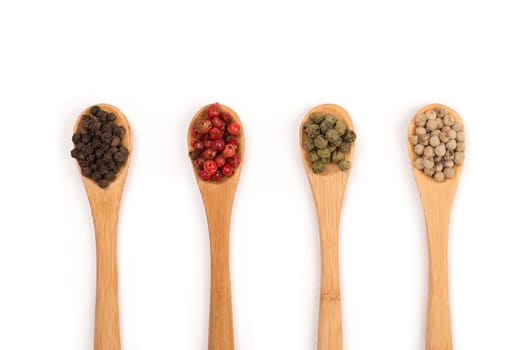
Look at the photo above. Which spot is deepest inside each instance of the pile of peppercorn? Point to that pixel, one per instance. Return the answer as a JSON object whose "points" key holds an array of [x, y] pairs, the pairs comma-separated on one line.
{"points": [[215, 147], [327, 140], [98, 146]]}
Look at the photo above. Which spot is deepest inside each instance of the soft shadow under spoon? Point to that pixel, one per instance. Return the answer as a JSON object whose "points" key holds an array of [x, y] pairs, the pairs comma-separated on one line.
{"points": [[328, 189], [218, 201], [436, 198], [105, 204]]}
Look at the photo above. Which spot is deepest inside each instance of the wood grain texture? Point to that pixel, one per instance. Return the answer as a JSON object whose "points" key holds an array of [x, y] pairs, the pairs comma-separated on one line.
{"points": [[437, 198], [218, 202], [328, 189], [105, 204]]}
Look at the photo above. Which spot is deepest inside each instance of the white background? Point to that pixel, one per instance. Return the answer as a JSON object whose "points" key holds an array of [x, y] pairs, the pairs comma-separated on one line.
{"points": [[271, 61]]}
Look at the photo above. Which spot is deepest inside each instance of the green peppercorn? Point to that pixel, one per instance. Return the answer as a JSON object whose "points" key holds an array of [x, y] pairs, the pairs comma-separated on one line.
{"points": [[308, 143], [344, 164], [306, 125], [349, 136], [340, 127], [345, 147], [313, 130], [313, 156], [318, 167], [333, 137], [320, 142], [324, 153], [337, 156], [326, 125], [317, 118], [331, 118]]}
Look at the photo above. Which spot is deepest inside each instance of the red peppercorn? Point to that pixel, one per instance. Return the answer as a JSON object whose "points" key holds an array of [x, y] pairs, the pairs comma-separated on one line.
{"points": [[227, 117], [217, 145], [220, 160], [204, 175], [210, 166], [217, 123], [234, 143], [235, 160], [199, 162], [209, 153], [215, 133], [208, 143], [195, 134], [229, 151], [229, 138], [216, 176], [227, 170], [214, 110], [198, 145], [234, 128], [203, 126]]}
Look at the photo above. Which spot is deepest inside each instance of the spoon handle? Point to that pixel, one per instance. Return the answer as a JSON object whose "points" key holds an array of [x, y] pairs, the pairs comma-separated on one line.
{"points": [[218, 212], [107, 327], [439, 334], [330, 334]]}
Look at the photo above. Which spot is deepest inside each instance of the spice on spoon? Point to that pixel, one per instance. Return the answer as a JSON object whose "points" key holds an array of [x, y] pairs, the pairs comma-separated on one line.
{"points": [[438, 142], [98, 146], [327, 140], [215, 146]]}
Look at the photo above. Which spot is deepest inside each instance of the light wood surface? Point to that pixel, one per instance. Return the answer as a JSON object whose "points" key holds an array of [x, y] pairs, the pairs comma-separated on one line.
{"points": [[328, 189], [437, 198], [105, 204], [218, 202]]}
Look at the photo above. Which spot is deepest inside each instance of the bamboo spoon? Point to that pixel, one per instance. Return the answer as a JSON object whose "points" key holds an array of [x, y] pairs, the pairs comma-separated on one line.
{"points": [[328, 189], [105, 204], [437, 198], [218, 202]]}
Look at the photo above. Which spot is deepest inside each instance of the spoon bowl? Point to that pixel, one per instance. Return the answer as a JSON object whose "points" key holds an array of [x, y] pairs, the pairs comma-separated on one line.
{"points": [[436, 198], [218, 200], [105, 205], [328, 189]]}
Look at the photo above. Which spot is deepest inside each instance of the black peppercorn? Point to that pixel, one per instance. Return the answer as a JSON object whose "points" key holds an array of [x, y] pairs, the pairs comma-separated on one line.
{"points": [[98, 146]]}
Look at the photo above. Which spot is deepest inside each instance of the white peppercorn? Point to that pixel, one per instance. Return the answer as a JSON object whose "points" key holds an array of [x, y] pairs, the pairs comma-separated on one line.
{"points": [[424, 140], [420, 131], [440, 150], [449, 164], [441, 112], [438, 142], [428, 163], [439, 122], [449, 172], [434, 141], [421, 119], [449, 155], [418, 164], [429, 151], [429, 171], [431, 124], [431, 114], [451, 145], [448, 120], [459, 157], [439, 176]]}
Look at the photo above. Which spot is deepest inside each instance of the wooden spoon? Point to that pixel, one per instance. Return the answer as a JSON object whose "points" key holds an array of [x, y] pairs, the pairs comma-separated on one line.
{"points": [[437, 198], [105, 204], [218, 202], [328, 189]]}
